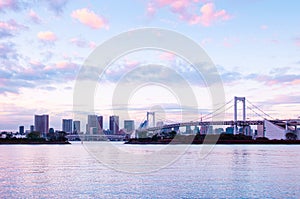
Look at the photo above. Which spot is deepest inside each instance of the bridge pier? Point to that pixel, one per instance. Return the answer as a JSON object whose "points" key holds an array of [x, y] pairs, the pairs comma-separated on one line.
{"points": [[153, 118], [243, 100]]}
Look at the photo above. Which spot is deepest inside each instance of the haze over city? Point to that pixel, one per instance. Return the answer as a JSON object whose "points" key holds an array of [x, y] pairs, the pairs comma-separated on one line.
{"points": [[255, 46]]}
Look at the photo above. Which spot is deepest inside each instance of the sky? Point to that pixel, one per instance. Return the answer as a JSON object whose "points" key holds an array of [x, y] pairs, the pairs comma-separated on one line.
{"points": [[254, 44]]}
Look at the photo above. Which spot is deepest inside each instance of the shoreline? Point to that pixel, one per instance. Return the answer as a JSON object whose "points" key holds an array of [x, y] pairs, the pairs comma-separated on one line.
{"points": [[224, 142], [31, 142]]}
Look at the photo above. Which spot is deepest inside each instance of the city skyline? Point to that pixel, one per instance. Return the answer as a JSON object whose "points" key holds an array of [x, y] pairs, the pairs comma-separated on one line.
{"points": [[44, 44], [70, 126]]}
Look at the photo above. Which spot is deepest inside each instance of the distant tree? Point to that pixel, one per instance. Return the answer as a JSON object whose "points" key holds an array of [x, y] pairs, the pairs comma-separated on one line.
{"points": [[9, 135], [172, 134], [61, 136], [155, 137], [142, 134], [51, 130], [262, 138], [291, 136], [51, 136], [34, 135]]}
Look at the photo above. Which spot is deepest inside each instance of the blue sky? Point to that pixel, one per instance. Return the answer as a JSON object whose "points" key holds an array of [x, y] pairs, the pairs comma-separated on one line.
{"points": [[255, 45]]}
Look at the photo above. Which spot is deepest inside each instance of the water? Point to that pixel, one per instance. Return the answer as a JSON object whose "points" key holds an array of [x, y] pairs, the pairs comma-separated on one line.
{"points": [[228, 171]]}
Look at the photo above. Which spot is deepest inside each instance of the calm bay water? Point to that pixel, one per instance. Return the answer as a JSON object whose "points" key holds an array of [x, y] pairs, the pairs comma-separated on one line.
{"points": [[228, 171]]}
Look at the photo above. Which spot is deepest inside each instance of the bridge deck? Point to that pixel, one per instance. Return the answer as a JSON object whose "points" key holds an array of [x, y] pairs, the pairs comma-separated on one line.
{"points": [[227, 123]]}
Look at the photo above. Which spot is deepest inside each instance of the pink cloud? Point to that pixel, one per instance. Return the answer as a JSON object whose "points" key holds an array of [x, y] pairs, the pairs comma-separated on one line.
{"points": [[268, 80], [89, 18], [279, 79], [83, 43], [34, 17], [176, 6], [61, 65], [92, 45], [79, 42], [185, 11], [151, 10], [11, 4], [131, 63], [11, 25], [9, 28], [36, 63], [167, 56], [209, 15], [47, 36], [64, 65], [295, 82]]}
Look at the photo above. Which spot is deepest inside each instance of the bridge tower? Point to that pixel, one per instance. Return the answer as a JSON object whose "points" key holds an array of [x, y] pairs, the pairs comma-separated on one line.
{"points": [[243, 100], [153, 119]]}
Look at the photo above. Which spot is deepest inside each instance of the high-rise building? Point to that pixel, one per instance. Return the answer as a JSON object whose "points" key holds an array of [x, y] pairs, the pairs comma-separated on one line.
{"points": [[114, 124], [67, 125], [229, 130], [21, 130], [92, 124], [188, 129], [76, 127], [129, 126], [100, 122], [31, 128], [41, 124]]}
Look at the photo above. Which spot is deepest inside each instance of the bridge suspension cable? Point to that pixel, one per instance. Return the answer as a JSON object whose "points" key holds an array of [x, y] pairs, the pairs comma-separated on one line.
{"points": [[214, 115], [218, 109], [259, 110], [256, 113]]}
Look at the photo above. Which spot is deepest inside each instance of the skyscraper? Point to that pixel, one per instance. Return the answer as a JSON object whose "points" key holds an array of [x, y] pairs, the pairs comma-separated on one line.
{"points": [[92, 124], [67, 125], [114, 124], [41, 124], [31, 128], [100, 122], [76, 127], [21, 130], [129, 125]]}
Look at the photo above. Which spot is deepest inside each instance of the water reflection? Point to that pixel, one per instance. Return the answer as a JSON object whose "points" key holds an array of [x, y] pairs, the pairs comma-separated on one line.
{"points": [[229, 171]]}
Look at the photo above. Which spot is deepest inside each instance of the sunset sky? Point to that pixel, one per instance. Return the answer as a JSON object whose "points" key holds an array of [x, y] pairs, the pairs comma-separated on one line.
{"points": [[255, 45]]}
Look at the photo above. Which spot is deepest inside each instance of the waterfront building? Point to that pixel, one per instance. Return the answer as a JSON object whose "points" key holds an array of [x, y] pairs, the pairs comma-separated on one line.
{"points": [[93, 130], [219, 130], [67, 125], [204, 129], [229, 130], [76, 127], [248, 131], [210, 130], [274, 132], [100, 123], [31, 129], [114, 124], [92, 123], [260, 131], [196, 130], [188, 129], [41, 124], [129, 126], [21, 130]]}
